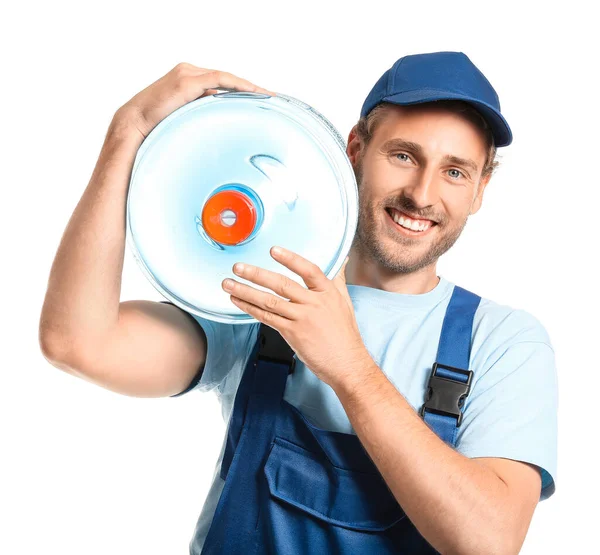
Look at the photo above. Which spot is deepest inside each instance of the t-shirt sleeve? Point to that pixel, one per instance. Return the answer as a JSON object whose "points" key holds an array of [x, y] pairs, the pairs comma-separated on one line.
{"points": [[511, 411], [226, 346]]}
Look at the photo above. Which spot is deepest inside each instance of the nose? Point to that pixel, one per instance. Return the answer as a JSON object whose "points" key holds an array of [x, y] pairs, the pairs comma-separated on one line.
{"points": [[423, 188]]}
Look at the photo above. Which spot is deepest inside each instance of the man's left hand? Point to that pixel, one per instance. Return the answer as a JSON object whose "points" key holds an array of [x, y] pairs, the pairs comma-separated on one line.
{"points": [[318, 323]]}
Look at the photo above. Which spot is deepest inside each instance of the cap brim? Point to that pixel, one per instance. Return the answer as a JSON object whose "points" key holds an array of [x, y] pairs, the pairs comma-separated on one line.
{"points": [[500, 129]]}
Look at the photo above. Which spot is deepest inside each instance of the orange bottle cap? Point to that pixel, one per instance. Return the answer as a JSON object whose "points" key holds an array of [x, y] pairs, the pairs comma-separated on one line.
{"points": [[229, 217]]}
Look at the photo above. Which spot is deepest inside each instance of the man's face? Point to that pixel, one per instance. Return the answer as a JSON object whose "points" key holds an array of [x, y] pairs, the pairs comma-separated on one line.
{"points": [[418, 180]]}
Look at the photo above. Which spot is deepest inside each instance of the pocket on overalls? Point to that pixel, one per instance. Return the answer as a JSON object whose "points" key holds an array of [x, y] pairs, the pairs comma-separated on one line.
{"points": [[347, 498]]}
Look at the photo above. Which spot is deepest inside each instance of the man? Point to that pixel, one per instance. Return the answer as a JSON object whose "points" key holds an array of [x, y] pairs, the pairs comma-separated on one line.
{"points": [[346, 464]]}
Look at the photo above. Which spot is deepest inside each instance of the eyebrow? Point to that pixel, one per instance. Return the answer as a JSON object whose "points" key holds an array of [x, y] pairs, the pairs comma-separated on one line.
{"points": [[399, 143]]}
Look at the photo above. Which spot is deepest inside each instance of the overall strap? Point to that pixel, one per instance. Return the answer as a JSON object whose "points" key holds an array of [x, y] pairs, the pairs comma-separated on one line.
{"points": [[274, 348], [236, 516], [269, 347], [450, 380]]}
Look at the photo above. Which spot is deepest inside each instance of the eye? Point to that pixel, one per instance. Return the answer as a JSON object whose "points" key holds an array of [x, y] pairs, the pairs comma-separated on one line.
{"points": [[455, 170], [402, 154]]}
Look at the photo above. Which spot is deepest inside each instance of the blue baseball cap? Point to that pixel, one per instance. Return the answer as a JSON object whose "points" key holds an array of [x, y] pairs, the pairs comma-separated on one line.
{"points": [[419, 78]]}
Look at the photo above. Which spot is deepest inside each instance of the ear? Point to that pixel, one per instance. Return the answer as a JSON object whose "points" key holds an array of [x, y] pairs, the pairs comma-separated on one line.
{"points": [[354, 146], [479, 198]]}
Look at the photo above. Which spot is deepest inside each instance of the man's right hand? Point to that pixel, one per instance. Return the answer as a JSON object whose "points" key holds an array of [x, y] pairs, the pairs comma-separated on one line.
{"points": [[183, 84]]}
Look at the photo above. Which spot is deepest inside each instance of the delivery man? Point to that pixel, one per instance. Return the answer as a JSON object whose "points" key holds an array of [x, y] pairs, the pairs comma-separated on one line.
{"points": [[386, 410]]}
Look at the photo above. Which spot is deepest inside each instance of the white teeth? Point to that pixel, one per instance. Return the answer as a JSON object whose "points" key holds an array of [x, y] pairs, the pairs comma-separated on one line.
{"points": [[410, 224]]}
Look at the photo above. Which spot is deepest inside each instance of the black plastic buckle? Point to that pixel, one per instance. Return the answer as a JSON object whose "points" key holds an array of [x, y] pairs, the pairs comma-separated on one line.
{"points": [[446, 396], [275, 348]]}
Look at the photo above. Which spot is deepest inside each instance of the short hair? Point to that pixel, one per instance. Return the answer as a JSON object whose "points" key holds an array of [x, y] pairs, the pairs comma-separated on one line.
{"points": [[366, 126]]}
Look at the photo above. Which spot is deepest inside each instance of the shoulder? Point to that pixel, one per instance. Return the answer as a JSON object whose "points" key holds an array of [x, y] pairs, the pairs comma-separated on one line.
{"points": [[505, 338], [504, 324], [230, 333], [229, 347]]}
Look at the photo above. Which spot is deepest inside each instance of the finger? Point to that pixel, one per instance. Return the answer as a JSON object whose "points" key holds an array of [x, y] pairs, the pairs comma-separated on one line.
{"points": [[280, 284], [226, 80], [221, 89], [266, 301], [272, 320], [311, 274], [191, 85], [202, 70], [340, 280], [258, 90], [209, 92], [342, 272]]}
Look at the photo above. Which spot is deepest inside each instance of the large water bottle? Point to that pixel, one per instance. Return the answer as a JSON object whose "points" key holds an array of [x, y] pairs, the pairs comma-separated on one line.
{"points": [[225, 178]]}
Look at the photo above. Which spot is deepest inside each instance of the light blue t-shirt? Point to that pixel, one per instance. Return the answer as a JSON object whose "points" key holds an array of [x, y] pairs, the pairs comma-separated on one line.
{"points": [[510, 412]]}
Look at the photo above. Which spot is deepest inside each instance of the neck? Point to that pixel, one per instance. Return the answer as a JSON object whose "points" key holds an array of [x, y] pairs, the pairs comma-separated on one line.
{"points": [[365, 272]]}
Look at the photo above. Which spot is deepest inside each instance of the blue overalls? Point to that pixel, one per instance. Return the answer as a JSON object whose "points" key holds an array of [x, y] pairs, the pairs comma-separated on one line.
{"points": [[294, 489]]}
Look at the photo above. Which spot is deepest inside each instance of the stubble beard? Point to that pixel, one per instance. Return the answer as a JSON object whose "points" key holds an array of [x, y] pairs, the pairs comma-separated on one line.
{"points": [[395, 253]]}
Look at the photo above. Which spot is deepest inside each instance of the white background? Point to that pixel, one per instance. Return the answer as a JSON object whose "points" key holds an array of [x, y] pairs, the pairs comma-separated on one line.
{"points": [[88, 471]]}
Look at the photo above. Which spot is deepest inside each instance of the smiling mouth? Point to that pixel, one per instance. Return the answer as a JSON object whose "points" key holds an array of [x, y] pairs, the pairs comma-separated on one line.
{"points": [[405, 230]]}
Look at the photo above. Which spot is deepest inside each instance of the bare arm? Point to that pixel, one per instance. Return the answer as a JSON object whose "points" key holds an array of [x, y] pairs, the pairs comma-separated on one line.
{"points": [[138, 348], [155, 350]]}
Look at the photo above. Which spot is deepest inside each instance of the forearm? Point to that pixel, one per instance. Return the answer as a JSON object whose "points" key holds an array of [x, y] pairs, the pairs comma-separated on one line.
{"points": [[82, 299], [457, 504]]}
